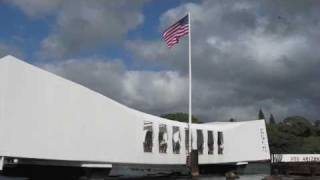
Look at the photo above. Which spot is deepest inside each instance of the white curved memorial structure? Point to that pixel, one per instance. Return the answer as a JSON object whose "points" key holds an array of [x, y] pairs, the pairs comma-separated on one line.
{"points": [[46, 117]]}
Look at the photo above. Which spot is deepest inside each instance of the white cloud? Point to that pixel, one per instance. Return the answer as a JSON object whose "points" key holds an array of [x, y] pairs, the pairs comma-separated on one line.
{"points": [[85, 25], [266, 48], [153, 92], [82, 25], [247, 55], [164, 90], [37, 8]]}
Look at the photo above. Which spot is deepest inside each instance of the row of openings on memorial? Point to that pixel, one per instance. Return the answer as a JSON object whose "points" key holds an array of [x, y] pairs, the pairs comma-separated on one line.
{"points": [[210, 141], [163, 139]]}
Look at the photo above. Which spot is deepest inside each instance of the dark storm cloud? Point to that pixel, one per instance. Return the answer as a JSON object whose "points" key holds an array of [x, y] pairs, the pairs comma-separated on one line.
{"points": [[247, 55]]}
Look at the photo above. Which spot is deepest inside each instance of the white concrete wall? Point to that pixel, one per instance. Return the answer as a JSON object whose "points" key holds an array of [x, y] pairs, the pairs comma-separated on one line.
{"points": [[296, 157], [47, 117]]}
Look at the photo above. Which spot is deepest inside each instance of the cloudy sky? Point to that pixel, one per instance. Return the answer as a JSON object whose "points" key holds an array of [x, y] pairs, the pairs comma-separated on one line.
{"points": [[247, 54]]}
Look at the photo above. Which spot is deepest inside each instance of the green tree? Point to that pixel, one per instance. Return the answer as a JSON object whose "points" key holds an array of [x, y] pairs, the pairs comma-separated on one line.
{"points": [[282, 142], [317, 123], [181, 117], [271, 119], [317, 127], [294, 134], [261, 114], [311, 145], [298, 126]]}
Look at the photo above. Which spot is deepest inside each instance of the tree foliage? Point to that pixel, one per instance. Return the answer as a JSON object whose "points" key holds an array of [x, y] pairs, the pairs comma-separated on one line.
{"points": [[261, 114], [294, 135], [297, 126], [181, 117], [271, 119], [317, 123]]}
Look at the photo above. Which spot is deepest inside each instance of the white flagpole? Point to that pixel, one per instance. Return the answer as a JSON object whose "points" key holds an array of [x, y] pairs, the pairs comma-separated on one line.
{"points": [[190, 86]]}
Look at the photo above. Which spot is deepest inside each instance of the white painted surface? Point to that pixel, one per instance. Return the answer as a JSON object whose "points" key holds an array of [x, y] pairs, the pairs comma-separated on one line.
{"points": [[96, 165], [242, 163], [44, 116], [296, 158]]}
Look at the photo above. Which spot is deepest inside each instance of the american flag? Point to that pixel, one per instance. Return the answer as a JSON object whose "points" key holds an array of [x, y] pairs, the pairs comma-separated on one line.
{"points": [[176, 31]]}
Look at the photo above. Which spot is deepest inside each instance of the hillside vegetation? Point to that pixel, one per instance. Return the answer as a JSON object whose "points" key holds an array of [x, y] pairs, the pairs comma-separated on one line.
{"points": [[181, 117], [294, 134]]}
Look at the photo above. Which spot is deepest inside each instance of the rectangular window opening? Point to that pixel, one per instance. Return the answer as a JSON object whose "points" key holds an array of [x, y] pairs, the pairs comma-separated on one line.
{"points": [[220, 143], [210, 142], [176, 140], [186, 139], [163, 138], [200, 141], [148, 136]]}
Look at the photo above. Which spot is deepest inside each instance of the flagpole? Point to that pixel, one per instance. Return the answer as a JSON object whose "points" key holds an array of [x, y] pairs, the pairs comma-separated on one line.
{"points": [[190, 86]]}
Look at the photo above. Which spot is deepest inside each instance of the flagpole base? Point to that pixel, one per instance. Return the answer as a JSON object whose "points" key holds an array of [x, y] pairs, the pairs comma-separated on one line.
{"points": [[193, 164]]}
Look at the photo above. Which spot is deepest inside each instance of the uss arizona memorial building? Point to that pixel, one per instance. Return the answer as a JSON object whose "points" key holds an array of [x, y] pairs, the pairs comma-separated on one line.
{"points": [[46, 117]]}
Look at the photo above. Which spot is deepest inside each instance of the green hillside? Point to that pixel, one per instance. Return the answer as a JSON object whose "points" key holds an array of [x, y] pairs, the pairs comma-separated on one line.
{"points": [[294, 134]]}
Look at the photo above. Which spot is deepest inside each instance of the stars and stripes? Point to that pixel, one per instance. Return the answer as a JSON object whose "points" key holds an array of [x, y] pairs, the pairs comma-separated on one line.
{"points": [[176, 31]]}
